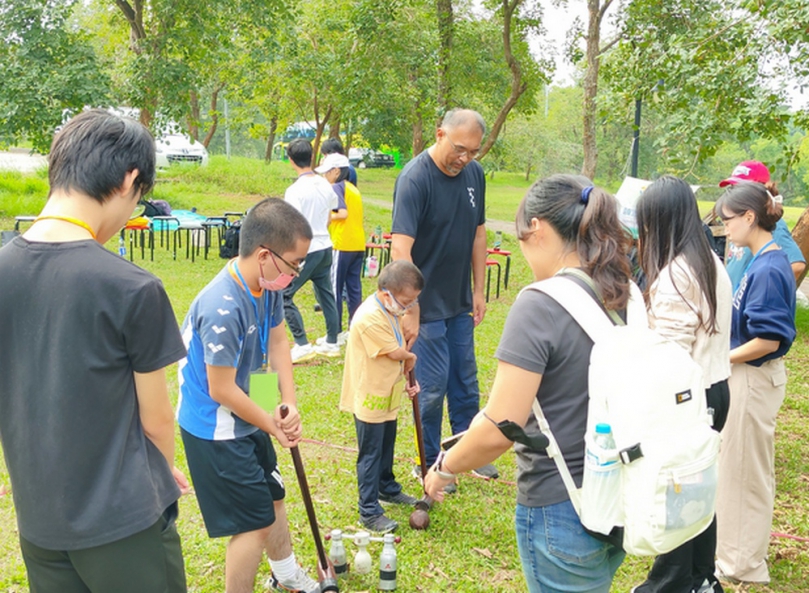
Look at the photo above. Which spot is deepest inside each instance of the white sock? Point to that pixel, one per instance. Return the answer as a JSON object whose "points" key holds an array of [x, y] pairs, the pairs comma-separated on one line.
{"points": [[284, 570]]}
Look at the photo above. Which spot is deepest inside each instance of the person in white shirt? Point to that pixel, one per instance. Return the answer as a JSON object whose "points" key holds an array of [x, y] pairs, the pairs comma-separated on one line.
{"points": [[689, 302], [314, 197]]}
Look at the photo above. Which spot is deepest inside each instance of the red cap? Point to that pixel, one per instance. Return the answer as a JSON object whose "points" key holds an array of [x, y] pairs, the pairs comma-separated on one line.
{"points": [[748, 171]]}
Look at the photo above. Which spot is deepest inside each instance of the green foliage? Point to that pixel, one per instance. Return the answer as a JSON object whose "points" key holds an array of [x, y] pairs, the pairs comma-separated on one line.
{"points": [[698, 66], [47, 70]]}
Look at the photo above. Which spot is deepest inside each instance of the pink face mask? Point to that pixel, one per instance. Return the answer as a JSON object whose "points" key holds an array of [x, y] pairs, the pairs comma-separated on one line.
{"points": [[280, 283]]}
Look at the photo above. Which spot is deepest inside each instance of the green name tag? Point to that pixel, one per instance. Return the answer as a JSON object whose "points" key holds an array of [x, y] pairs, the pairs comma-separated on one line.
{"points": [[264, 390]]}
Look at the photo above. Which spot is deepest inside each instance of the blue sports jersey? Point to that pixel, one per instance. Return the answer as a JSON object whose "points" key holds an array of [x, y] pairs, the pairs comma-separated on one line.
{"points": [[739, 257], [221, 329]]}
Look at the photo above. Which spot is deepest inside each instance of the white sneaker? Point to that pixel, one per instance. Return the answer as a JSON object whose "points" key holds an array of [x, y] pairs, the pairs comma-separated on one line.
{"points": [[326, 349], [342, 338], [302, 353], [301, 583]]}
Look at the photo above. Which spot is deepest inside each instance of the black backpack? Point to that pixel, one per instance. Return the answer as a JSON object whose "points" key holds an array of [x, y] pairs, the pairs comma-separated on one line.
{"points": [[230, 247]]}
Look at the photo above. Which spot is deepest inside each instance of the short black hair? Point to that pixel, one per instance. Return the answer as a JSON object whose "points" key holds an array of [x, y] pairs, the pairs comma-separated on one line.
{"points": [[299, 152], [400, 274], [274, 224], [332, 145], [96, 149]]}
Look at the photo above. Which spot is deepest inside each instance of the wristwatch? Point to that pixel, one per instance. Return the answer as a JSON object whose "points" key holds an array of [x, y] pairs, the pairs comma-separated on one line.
{"points": [[437, 467]]}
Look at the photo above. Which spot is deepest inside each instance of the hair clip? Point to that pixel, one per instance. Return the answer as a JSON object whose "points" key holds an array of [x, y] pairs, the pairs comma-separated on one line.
{"points": [[775, 199], [585, 194]]}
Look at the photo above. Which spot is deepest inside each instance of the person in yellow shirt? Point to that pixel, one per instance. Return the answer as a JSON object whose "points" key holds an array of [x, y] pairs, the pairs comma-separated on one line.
{"points": [[376, 363], [347, 237]]}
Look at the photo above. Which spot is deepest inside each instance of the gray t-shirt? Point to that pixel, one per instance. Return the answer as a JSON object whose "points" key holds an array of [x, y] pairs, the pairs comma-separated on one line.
{"points": [[75, 321], [541, 337]]}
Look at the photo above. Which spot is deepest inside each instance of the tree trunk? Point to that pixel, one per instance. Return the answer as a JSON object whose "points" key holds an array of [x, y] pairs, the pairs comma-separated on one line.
{"points": [[334, 127], [595, 12], [528, 172], [320, 124], [214, 114], [271, 138], [801, 235], [518, 87], [193, 117], [418, 136], [446, 25]]}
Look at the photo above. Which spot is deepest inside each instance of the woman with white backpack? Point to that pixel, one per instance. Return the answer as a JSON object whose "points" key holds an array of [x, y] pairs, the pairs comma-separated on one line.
{"points": [[689, 302], [562, 222]]}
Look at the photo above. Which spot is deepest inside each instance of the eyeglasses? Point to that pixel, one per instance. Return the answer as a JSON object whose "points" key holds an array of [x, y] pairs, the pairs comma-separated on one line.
{"points": [[296, 269], [412, 304], [461, 150]]}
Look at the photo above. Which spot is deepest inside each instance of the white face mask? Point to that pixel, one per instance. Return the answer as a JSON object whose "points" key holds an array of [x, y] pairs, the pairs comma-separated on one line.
{"points": [[394, 308]]}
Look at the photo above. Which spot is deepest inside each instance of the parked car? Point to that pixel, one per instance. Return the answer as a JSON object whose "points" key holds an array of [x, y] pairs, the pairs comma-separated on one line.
{"points": [[178, 148], [363, 158]]}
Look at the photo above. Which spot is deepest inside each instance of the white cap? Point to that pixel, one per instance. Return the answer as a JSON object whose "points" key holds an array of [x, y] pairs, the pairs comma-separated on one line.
{"points": [[334, 160]]}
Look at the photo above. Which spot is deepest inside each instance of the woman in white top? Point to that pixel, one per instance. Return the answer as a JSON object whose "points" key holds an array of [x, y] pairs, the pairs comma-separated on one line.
{"points": [[689, 302]]}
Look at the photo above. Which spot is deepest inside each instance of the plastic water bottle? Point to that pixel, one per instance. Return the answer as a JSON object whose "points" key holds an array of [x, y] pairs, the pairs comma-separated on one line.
{"points": [[121, 246], [601, 488], [337, 553], [362, 559], [498, 240], [604, 439], [373, 267], [387, 564]]}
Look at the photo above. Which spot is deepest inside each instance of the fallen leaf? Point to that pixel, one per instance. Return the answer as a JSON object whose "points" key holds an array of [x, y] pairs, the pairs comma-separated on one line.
{"points": [[484, 552]]}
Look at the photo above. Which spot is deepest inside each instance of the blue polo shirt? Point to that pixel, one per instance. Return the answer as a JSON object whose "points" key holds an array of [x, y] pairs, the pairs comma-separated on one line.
{"points": [[222, 329]]}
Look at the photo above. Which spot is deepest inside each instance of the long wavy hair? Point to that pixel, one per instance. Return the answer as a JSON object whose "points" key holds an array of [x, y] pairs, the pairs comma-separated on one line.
{"points": [[590, 226]]}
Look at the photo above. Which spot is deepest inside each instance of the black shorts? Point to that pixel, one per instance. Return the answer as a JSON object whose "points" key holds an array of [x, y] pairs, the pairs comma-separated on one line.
{"points": [[235, 481]]}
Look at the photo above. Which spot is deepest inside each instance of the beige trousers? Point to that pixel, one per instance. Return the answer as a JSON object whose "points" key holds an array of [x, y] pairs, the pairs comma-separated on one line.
{"points": [[746, 489]]}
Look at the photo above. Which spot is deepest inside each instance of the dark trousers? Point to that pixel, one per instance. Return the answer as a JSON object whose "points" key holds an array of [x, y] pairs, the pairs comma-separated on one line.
{"points": [[375, 465], [446, 351], [349, 273], [318, 270], [685, 568], [150, 560]]}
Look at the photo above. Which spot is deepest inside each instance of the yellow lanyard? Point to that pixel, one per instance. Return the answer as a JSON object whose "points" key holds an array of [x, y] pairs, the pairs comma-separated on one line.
{"points": [[71, 220]]}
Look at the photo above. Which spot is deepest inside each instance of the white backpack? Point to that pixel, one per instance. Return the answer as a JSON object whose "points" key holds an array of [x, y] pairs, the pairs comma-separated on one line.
{"points": [[650, 391]]}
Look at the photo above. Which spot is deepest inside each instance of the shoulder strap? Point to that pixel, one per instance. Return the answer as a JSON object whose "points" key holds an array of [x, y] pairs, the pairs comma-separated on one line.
{"points": [[587, 312], [578, 303]]}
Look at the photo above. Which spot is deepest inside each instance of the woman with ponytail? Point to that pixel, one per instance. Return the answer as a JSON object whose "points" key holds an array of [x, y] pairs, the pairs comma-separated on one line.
{"points": [[762, 331], [562, 222], [688, 301]]}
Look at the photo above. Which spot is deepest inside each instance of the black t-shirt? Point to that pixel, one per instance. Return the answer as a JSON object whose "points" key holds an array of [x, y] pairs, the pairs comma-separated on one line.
{"points": [[442, 214], [75, 321], [541, 337]]}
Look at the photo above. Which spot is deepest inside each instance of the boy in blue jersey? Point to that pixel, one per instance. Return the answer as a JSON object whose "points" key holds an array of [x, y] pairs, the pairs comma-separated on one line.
{"points": [[234, 328]]}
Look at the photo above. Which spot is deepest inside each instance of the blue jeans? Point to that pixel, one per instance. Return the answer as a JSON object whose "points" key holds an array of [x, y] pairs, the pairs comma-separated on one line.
{"points": [[446, 366], [318, 270], [558, 556], [375, 465]]}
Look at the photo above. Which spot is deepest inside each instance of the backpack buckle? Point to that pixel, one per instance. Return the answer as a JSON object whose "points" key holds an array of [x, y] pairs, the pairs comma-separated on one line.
{"points": [[630, 454]]}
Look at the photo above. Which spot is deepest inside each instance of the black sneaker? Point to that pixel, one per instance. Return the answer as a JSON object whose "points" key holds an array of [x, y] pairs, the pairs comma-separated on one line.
{"points": [[379, 524], [487, 471], [400, 498]]}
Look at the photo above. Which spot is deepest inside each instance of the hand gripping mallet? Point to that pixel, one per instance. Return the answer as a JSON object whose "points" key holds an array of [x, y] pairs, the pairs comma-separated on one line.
{"points": [[325, 571], [419, 518]]}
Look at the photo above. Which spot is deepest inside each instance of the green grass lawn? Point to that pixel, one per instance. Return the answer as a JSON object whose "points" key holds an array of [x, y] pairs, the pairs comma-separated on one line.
{"points": [[470, 545]]}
